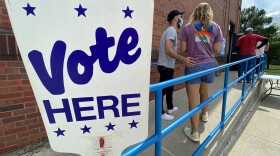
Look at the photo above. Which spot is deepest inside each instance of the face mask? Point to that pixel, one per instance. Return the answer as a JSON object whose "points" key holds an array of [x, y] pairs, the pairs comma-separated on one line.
{"points": [[180, 22]]}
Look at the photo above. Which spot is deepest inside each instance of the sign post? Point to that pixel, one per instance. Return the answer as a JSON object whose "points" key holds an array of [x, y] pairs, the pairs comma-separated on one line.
{"points": [[88, 63]]}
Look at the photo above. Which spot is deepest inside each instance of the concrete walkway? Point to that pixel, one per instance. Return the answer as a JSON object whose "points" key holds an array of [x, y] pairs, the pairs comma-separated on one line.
{"points": [[262, 132], [262, 135]]}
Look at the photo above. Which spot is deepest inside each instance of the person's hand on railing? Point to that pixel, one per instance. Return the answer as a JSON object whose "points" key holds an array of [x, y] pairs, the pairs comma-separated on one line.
{"points": [[189, 62]]}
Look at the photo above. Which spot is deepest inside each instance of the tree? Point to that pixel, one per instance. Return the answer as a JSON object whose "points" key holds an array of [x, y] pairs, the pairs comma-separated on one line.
{"points": [[257, 19]]}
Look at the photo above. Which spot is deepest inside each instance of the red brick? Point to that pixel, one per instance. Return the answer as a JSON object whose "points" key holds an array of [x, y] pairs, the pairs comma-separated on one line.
{"points": [[28, 93], [25, 82], [15, 64], [33, 115], [8, 149], [16, 142], [6, 25], [27, 133], [2, 145], [15, 89], [4, 127], [30, 104], [4, 11], [5, 115], [33, 126], [42, 129], [2, 4], [26, 122], [5, 18], [10, 95], [4, 90], [27, 87], [9, 83], [13, 119], [11, 71], [8, 137], [17, 101], [24, 111], [2, 64], [15, 130], [3, 77]]}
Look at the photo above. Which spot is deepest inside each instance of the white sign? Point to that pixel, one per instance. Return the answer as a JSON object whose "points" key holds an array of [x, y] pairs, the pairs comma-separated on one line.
{"points": [[88, 62]]}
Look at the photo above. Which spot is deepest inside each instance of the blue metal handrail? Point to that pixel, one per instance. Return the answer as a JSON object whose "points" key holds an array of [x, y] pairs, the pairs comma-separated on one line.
{"points": [[159, 133]]}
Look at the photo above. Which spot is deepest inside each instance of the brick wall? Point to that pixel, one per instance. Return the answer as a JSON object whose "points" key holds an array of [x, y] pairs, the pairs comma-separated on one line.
{"points": [[4, 18], [20, 121]]}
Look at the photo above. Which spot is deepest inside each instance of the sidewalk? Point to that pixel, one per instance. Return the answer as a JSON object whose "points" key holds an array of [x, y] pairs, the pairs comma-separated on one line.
{"points": [[262, 132], [262, 135]]}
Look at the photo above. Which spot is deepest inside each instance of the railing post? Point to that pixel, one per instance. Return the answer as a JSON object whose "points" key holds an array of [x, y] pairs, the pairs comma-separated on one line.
{"points": [[158, 110], [264, 62], [225, 98], [244, 80], [260, 67], [253, 72]]}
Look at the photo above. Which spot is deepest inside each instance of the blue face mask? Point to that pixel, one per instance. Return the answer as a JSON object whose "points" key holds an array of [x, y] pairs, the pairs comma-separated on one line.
{"points": [[180, 22]]}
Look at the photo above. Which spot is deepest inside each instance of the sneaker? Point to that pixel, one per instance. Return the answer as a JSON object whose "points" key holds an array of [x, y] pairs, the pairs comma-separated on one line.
{"points": [[204, 117], [240, 81], [167, 117], [170, 111], [194, 137]]}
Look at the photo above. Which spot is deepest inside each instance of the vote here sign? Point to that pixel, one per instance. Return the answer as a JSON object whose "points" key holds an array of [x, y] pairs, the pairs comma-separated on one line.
{"points": [[88, 62]]}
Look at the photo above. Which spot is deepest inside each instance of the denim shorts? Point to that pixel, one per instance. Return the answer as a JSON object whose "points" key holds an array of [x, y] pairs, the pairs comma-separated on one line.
{"points": [[209, 78]]}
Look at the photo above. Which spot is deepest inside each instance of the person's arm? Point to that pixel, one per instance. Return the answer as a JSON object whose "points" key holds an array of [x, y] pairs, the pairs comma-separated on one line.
{"points": [[217, 47], [189, 62], [217, 44], [264, 42]]}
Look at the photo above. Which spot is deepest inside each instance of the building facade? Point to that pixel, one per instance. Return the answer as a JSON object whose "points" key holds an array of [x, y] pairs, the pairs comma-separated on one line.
{"points": [[20, 120]]}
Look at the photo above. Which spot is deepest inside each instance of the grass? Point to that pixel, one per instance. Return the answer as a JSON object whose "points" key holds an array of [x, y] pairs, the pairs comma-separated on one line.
{"points": [[273, 70]]}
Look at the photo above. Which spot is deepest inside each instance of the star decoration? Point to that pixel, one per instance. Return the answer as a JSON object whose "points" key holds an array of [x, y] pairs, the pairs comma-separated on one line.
{"points": [[81, 10], [110, 127], [59, 132], [86, 129], [127, 12], [29, 9], [133, 124]]}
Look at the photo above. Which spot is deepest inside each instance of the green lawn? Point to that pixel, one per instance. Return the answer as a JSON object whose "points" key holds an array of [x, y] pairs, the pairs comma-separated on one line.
{"points": [[273, 70]]}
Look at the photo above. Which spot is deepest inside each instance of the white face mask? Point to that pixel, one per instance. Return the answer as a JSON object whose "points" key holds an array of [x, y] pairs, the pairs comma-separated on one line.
{"points": [[180, 22]]}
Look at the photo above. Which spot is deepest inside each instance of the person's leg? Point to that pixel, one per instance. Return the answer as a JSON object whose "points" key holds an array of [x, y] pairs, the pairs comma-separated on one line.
{"points": [[241, 67], [203, 91], [162, 77], [169, 91], [250, 66], [259, 67], [193, 97]]}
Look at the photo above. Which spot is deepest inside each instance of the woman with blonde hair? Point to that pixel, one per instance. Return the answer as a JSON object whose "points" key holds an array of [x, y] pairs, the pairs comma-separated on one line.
{"points": [[201, 40]]}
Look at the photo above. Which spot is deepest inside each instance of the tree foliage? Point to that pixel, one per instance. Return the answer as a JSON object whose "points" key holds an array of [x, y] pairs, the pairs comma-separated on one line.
{"points": [[257, 19]]}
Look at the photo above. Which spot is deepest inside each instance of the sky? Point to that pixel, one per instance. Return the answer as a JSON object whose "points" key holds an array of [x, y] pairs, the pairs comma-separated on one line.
{"points": [[270, 6]]}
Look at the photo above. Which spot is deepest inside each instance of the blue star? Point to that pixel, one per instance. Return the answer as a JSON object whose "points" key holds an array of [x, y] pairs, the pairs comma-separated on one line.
{"points": [[133, 124], [81, 10], [86, 129], [29, 9], [110, 127], [60, 132], [128, 12]]}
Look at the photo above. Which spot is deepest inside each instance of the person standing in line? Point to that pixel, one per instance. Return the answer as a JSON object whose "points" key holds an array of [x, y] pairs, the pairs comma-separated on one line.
{"points": [[260, 53], [245, 48], [167, 56], [201, 40]]}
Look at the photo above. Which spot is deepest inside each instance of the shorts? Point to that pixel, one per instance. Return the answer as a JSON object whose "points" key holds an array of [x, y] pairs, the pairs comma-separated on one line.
{"points": [[209, 78]]}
